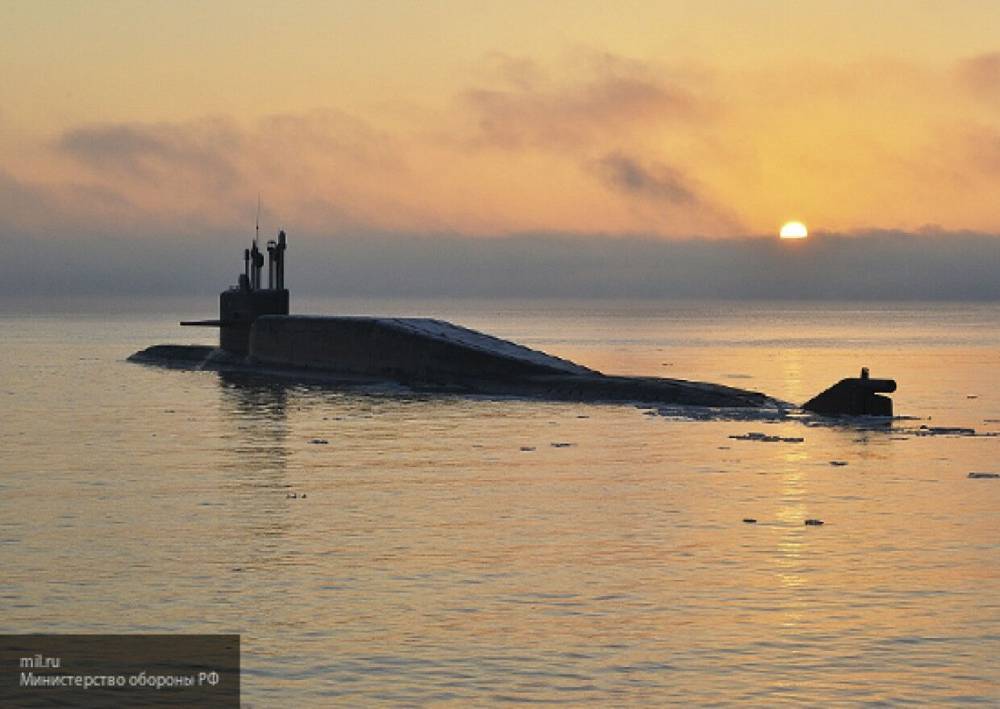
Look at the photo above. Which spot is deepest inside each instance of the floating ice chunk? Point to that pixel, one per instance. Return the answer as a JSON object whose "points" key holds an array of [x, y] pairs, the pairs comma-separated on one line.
{"points": [[945, 431], [756, 436]]}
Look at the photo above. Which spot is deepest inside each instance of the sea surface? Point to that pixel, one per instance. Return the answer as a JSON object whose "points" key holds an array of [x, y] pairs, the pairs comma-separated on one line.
{"points": [[437, 549]]}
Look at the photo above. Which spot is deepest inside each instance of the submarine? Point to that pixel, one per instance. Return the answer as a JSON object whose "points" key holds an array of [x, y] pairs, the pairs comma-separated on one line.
{"points": [[258, 334]]}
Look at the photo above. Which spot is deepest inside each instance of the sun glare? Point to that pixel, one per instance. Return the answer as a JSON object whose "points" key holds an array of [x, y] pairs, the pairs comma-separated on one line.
{"points": [[794, 230]]}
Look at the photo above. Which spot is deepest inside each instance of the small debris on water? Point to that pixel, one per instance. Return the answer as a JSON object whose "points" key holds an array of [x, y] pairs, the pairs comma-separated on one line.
{"points": [[319, 441], [945, 431], [763, 437], [838, 463], [983, 476], [749, 520], [813, 522]]}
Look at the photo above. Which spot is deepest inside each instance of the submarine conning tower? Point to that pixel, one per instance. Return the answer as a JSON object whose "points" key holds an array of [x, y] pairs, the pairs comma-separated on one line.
{"points": [[242, 304]]}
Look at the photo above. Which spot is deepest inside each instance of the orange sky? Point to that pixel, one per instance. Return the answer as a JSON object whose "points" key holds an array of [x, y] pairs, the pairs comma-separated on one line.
{"points": [[674, 119]]}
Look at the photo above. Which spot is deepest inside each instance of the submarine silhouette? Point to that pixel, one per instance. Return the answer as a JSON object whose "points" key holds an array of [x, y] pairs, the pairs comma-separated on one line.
{"points": [[258, 334]]}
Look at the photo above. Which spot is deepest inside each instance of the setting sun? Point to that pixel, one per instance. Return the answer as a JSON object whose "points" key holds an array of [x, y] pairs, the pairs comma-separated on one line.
{"points": [[794, 230]]}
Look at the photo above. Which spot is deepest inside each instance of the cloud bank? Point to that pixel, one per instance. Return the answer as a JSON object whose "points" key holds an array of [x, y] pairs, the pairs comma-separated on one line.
{"points": [[873, 266]]}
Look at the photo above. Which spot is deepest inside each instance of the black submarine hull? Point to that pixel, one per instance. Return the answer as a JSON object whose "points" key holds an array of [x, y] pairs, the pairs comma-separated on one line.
{"points": [[258, 336], [434, 355]]}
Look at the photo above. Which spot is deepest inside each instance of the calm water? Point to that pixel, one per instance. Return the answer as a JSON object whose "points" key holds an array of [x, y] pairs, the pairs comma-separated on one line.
{"points": [[444, 549]]}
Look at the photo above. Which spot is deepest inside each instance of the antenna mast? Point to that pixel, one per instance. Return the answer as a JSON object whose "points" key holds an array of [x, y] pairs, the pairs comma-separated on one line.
{"points": [[256, 235]]}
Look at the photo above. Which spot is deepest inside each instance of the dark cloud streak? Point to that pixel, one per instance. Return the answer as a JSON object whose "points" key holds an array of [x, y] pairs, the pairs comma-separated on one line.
{"points": [[148, 152], [658, 181]]}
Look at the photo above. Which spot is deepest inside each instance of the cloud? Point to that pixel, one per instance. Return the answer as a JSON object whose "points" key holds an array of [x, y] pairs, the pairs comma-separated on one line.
{"points": [[981, 75], [626, 134], [981, 145], [327, 169], [19, 201], [31, 207], [525, 108], [320, 167], [666, 192], [151, 152], [659, 182]]}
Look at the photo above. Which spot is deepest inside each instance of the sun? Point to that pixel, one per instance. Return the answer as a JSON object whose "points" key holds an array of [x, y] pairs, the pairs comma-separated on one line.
{"points": [[794, 230]]}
